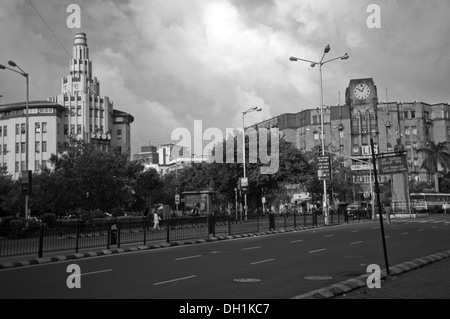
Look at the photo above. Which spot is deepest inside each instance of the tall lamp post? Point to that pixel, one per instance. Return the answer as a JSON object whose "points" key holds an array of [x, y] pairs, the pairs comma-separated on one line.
{"points": [[253, 109], [26, 75], [313, 64]]}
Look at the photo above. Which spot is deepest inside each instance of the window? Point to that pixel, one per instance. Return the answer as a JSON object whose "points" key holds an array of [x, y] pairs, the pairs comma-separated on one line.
{"points": [[407, 130], [0, 131], [405, 114], [413, 114], [22, 165], [22, 147], [79, 129], [96, 113], [72, 129], [37, 165], [17, 148], [17, 167], [119, 134], [79, 111], [37, 127], [66, 129], [44, 164], [316, 135], [44, 146], [17, 129], [414, 130], [101, 113], [5, 148], [22, 128], [101, 128], [37, 147], [341, 133], [5, 131], [44, 127], [57, 128]]}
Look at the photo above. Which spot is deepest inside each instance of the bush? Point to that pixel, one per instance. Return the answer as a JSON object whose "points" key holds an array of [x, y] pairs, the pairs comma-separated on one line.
{"points": [[116, 212], [49, 218]]}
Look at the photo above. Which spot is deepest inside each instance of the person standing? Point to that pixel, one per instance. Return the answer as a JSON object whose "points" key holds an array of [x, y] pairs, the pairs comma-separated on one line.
{"points": [[388, 211], [156, 220]]}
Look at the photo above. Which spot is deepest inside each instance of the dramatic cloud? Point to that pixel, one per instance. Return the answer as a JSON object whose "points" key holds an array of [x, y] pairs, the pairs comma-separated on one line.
{"points": [[171, 62]]}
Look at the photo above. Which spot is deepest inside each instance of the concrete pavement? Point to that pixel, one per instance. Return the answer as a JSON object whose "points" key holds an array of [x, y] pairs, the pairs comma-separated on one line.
{"points": [[422, 278]]}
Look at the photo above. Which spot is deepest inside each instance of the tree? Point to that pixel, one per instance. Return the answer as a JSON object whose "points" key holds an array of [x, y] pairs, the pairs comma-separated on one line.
{"points": [[89, 178], [437, 159]]}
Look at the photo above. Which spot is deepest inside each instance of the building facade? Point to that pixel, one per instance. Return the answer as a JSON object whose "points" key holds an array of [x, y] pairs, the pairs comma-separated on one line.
{"points": [[349, 128], [79, 110]]}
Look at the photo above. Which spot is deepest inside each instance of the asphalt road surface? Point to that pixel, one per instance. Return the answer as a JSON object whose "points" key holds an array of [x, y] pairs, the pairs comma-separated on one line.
{"points": [[277, 266]]}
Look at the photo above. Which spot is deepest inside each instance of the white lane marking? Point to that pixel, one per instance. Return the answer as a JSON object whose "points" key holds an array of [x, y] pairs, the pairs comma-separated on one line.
{"points": [[188, 257], [406, 233], [354, 231], [262, 261], [249, 248], [95, 272], [315, 251], [421, 229], [331, 235], [356, 242], [173, 280], [296, 241]]}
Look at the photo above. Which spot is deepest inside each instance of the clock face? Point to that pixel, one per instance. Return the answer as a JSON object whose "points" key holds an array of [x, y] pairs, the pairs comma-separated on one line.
{"points": [[76, 86], [362, 91]]}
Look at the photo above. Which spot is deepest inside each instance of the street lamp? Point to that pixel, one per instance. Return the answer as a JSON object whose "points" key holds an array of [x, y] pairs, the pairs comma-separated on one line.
{"points": [[253, 109], [26, 75], [313, 64]]}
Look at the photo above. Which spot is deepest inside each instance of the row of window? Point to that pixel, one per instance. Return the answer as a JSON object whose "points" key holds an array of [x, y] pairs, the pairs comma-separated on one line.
{"points": [[21, 147], [4, 131], [77, 97], [92, 112], [39, 165]]}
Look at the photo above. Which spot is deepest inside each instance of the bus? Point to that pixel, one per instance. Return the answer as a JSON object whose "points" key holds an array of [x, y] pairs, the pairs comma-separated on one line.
{"points": [[428, 201]]}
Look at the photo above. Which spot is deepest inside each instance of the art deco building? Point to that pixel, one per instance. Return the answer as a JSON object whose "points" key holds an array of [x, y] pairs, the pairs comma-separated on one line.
{"points": [[79, 110]]}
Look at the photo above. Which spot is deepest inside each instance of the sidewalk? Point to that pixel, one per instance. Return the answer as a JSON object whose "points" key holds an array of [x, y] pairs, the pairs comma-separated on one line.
{"points": [[422, 278]]}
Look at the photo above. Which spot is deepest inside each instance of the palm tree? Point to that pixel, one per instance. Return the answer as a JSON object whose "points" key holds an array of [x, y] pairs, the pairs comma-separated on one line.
{"points": [[438, 159]]}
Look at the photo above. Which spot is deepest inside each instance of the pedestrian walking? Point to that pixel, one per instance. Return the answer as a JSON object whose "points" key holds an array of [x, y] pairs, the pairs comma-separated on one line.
{"points": [[388, 211], [445, 206], [156, 220]]}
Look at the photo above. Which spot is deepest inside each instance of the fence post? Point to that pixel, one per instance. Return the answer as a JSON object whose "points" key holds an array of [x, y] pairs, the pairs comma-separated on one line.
{"points": [[257, 223], [168, 230], [304, 219], [295, 218], [145, 230], [78, 236], [284, 217], [41, 241], [118, 233], [229, 225], [108, 235]]}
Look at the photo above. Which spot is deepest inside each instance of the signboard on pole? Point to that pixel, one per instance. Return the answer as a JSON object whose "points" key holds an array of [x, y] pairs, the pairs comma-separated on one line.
{"points": [[324, 171], [392, 163], [177, 199]]}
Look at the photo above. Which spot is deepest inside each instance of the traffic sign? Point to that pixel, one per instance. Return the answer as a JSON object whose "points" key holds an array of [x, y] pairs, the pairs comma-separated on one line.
{"points": [[324, 171], [366, 194], [177, 199], [392, 163]]}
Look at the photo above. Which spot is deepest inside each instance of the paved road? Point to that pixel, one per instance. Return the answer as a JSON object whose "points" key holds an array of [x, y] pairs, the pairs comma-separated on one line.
{"points": [[276, 266]]}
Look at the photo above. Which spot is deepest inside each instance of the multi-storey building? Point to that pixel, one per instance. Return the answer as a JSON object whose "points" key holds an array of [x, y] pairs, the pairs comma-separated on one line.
{"points": [[79, 110], [349, 128]]}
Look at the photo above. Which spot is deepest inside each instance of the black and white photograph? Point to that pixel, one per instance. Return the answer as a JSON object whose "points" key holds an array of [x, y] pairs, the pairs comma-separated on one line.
{"points": [[224, 157]]}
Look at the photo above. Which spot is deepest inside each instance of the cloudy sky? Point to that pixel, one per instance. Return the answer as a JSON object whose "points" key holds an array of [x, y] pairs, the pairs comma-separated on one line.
{"points": [[170, 62]]}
